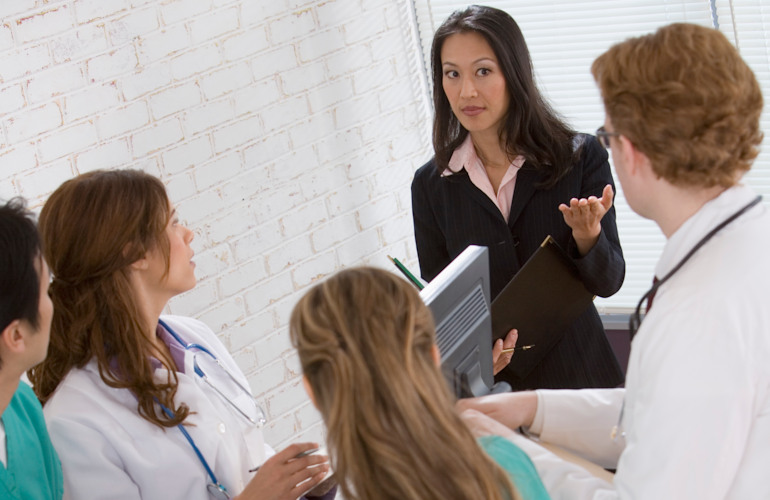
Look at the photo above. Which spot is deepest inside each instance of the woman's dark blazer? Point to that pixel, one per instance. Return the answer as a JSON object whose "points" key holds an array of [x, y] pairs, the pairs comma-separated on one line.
{"points": [[451, 213]]}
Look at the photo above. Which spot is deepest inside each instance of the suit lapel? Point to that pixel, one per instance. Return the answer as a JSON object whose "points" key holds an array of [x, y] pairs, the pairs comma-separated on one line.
{"points": [[526, 179], [475, 193]]}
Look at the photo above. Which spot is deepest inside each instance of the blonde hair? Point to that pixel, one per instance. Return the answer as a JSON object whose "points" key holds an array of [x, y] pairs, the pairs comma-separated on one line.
{"points": [[365, 342]]}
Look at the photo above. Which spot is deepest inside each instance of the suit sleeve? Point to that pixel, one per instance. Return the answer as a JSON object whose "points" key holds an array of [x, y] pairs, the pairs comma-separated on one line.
{"points": [[603, 268], [429, 238]]}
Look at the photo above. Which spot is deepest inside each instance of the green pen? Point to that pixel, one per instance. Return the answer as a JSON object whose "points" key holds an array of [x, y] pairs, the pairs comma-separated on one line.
{"points": [[406, 272]]}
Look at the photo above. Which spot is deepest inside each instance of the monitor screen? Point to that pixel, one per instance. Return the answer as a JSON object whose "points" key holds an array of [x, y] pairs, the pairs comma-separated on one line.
{"points": [[459, 300]]}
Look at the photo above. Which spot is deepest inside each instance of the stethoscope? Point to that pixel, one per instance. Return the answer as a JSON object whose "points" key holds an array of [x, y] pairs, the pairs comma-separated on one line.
{"points": [[635, 320], [215, 488]]}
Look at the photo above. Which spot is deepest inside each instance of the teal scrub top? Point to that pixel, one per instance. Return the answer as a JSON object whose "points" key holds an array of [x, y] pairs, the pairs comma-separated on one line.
{"points": [[518, 465], [32, 470]]}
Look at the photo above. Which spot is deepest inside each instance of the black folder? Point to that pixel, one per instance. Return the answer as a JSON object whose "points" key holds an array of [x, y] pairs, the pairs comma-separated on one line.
{"points": [[541, 301]]}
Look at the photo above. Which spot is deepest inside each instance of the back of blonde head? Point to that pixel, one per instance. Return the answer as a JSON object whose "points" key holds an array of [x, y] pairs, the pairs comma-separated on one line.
{"points": [[365, 342]]}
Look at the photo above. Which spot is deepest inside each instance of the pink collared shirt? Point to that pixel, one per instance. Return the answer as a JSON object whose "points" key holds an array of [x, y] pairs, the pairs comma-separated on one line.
{"points": [[465, 156]]}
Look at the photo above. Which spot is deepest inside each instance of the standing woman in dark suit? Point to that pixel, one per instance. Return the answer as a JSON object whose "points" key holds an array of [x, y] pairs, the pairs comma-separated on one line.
{"points": [[507, 172]]}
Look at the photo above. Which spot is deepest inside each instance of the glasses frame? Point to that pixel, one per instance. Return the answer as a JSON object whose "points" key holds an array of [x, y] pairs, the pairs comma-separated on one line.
{"points": [[604, 136]]}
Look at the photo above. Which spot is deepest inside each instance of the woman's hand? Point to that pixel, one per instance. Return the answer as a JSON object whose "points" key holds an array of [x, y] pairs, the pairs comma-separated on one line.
{"points": [[584, 216], [284, 477], [501, 359], [512, 409]]}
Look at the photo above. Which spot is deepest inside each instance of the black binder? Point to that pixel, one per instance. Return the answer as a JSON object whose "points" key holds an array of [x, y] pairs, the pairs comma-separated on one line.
{"points": [[544, 298]]}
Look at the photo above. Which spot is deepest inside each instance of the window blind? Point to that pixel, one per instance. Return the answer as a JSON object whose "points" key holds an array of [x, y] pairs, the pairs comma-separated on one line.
{"points": [[564, 37]]}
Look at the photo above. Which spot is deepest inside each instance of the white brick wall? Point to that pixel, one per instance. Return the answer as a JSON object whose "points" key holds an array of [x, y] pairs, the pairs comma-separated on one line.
{"points": [[287, 133]]}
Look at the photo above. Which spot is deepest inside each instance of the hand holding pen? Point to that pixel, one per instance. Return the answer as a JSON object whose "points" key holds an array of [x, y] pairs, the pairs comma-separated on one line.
{"points": [[288, 474]]}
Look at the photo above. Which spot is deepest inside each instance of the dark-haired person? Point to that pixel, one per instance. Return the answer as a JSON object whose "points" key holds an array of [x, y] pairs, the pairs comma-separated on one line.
{"points": [[507, 172], [367, 345], [141, 405], [683, 123], [29, 466]]}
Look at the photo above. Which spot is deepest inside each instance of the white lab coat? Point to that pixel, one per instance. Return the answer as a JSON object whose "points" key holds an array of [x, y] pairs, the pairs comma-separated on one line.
{"points": [[108, 451], [697, 397]]}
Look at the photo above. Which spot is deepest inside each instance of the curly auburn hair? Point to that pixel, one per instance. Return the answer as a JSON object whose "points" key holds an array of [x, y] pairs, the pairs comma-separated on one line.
{"points": [[685, 98]]}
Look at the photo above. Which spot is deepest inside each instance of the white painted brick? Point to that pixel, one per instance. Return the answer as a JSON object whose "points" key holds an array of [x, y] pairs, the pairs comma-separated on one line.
{"points": [[213, 25], [201, 206], [256, 243], [174, 99], [224, 315], [110, 155], [252, 41], [117, 62], [250, 331], [335, 231], [355, 111], [271, 203], [33, 122], [268, 291], [287, 397], [385, 125], [370, 22], [43, 180], [271, 345], [6, 37], [294, 369], [58, 80], [195, 61], [180, 187], [226, 80], [187, 155], [407, 144], [354, 251], [329, 94], [241, 276], [314, 269], [161, 44], [392, 177], [349, 197], [340, 143], [143, 82], [399, 228], [136, 23], [303, 78], [289, 255], [21, 158], [367, 80], [319, 45], [209, 115], [335, 12], [393, 16], [273, 62], [123, 120], [258, 12], [11, 99], [393, 96], [89, 10], [388, 46], [292, 166], [320, 182], [24, 61], [256, 96], [284, 113], [377, 211], [353, 58], [67, 141], [195, 301], [156, 137], [304, 218], [87, 40], [266, 149], [245, 358], [44, 23], [311, 130], [237, 134], [178, 10], [278, 430], [269, 377], [371, 161], [217, 171], [285, 29], [10, 9], [89, 101]]}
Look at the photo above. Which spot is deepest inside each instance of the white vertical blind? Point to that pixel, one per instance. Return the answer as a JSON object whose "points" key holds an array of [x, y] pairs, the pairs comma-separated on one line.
{"points": [[564, 37]]}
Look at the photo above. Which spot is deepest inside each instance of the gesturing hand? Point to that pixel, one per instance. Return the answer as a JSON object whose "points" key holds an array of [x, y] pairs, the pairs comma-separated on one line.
{"points": [[284, 477], [584, 216]]}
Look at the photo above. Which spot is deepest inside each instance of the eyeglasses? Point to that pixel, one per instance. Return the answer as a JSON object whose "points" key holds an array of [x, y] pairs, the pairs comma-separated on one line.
{"points": [[604, 136]]}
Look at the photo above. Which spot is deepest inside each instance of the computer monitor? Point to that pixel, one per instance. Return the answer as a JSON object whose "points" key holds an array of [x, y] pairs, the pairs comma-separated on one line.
{"points": [[459, 300]]}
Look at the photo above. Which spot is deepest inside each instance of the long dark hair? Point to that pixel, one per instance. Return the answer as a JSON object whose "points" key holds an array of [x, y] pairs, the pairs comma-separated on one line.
{"points": [[531, 127], [93, 228]]}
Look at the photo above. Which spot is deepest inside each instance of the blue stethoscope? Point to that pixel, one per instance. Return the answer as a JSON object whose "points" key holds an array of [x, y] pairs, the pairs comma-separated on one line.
{"points": [[215, 488]]}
